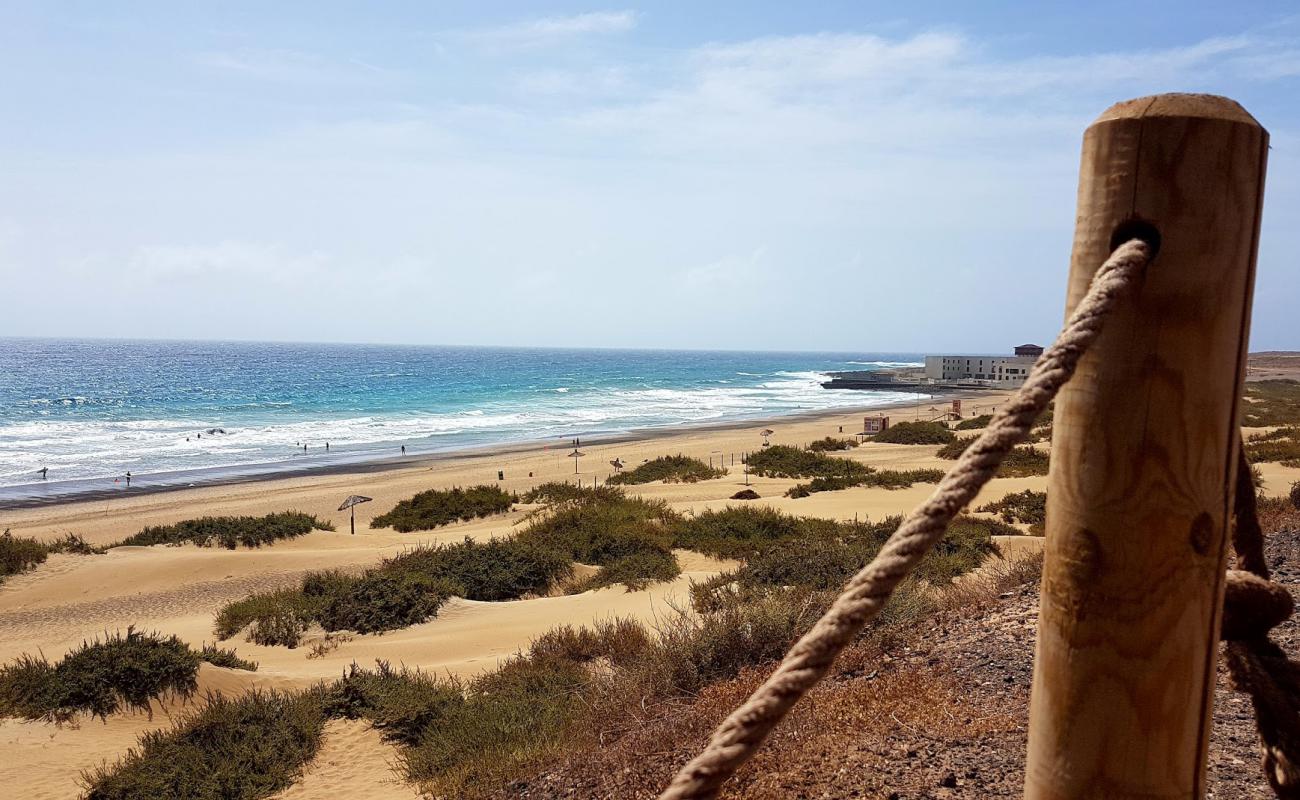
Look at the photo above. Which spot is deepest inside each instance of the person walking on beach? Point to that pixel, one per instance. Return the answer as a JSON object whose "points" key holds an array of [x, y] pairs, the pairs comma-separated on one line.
{"points": [[128, 479], [44, 472], [403, 449]]}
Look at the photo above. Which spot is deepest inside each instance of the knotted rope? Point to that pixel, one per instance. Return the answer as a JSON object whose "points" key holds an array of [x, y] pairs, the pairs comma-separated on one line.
{"points": [[741, 734], [1252, 606]]}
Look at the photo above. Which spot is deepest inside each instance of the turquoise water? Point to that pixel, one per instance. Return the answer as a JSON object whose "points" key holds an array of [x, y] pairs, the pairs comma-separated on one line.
{"points": [[91, 410]]}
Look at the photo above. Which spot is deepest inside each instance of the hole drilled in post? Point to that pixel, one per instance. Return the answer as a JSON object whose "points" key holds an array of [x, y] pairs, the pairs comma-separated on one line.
{"points": [[1136, 229]]}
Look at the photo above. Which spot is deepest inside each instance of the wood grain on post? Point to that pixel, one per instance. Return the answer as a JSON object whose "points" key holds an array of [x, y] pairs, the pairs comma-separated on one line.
{"points": [[1143, 455]]}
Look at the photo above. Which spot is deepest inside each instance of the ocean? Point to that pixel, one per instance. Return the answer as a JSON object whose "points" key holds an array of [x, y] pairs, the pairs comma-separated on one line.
{"points": [[175, 413]]}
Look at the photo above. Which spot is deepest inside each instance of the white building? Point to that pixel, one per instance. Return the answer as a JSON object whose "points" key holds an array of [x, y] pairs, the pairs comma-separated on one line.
{"points": [[996, 371]]}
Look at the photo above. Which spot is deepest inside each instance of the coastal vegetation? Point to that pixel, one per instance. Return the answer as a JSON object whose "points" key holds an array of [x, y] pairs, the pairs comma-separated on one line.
{"points": [[915, 433], [556, 492], [1271, 402], [1020, 462], [243, 748], [830, 443], [102, 677], [230, 532], [437, 507], [19, 553], [974, 423], [1028, 507], [402, 591], [669, 469], [628, 538], [1281, 444], [574, 687], [783, 461], [885, 479]]}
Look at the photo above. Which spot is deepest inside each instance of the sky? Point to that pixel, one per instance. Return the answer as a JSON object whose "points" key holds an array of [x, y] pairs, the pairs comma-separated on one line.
{"points": [[846, 176]]}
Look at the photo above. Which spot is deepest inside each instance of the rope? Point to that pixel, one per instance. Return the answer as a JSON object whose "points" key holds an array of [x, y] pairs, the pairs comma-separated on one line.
{"points": [[1252, 606], [741, 734]]}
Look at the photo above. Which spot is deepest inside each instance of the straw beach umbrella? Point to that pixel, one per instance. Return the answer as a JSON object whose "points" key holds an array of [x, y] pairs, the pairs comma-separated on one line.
{"points": [[352, 502]]}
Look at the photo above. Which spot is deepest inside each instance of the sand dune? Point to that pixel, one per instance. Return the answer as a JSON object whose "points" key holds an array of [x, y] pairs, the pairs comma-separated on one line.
{"points": [[179, 589], [354, 763]]}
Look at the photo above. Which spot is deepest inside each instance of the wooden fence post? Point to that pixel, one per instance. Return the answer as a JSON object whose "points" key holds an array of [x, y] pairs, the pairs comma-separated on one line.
{"points": [[1143, 454]]}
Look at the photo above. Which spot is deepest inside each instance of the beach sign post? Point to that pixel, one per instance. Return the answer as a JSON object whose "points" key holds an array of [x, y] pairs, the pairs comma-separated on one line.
{"points": [[351, 504]]}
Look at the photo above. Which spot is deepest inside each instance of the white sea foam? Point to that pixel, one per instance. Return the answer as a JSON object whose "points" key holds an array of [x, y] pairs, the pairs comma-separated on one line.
{"points": [[103, 448]]}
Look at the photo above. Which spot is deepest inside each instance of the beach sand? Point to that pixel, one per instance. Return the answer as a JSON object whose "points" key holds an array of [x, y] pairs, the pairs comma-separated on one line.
{"points": [[177, 590]]}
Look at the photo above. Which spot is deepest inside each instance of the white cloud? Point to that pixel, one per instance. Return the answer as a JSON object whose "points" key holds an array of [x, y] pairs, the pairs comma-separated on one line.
{"points": [[643, 185]]}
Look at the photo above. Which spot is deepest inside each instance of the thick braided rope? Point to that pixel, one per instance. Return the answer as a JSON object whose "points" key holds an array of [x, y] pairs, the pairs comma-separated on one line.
{"points": [[1252, 606], [741, 734]]}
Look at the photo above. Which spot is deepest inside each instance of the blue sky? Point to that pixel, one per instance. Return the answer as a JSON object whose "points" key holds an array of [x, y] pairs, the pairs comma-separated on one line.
{"points": [[845, 176]]}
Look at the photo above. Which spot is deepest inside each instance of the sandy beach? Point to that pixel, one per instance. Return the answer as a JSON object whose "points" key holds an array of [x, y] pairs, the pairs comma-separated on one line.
{"points": [[177, 590]]}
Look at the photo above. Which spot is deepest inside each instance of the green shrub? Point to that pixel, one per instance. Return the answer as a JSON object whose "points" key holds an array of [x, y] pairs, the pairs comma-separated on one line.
{"points": [[400, 704], [808, 563], [1020, 462], [508, 715], [1272, 402], [20, 554], [560, 492], [1027, 507], [885, 478], [76, 545], [230, 532], [830, 443], [783, 461], [669, 469], [915, 433], [965, 545], [385, 600], [220, 657], [1279, 445], [233, 749], [438, 507], [903, 479], [99, 677], [615, 532], [278, 617], [629, 538], [736, 531], [1287, 432], [975, 423], [499, 569], [635, 571]]}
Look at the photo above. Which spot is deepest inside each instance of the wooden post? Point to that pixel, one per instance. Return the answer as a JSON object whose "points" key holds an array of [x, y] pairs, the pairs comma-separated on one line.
{"points": [[1143, 456]]}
